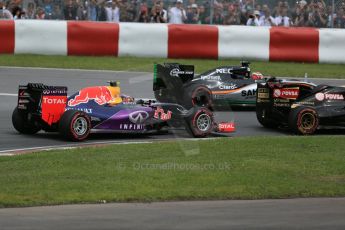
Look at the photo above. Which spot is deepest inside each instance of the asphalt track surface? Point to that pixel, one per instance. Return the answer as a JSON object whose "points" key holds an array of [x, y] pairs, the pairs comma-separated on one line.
{"points": [[135, 84], [326, 213], [313, 214]]}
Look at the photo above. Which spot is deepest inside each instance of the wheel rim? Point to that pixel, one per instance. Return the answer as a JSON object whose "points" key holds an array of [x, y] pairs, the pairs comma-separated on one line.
{"points": [[307, 121], [80, 126], [203, 122]]}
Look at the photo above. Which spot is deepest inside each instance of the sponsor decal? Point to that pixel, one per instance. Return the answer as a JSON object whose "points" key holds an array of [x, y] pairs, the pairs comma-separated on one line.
{"points": [[226, 127], [131, 127], [329, 96], [281, 104], [160, 114], [100, 94], [211, 78], [248, 93], [54, 91], [287, 93], [85, 110], [23, 94], [281, 100], [21, 106], [224, 71], [218, 96], [176, 72], [138, 117], [53, 107], [263, 93], [257, 76], [263, 100], [48, 100], [227, 87], [23, 101]]}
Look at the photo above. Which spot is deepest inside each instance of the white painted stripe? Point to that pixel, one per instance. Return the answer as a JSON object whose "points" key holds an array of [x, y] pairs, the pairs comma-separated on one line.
{"points": [[9, 94], [332, 46], [74, 70], [149, 40], [12, 152], [41, 37], [70, 146], [243, 42]]}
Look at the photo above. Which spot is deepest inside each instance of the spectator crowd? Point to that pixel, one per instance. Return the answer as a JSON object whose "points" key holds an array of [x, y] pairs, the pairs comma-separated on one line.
{"points": [[304, 13]]}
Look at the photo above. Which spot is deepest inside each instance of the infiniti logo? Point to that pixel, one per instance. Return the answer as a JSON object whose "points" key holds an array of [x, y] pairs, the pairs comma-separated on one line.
{"points": [[138, 117]]}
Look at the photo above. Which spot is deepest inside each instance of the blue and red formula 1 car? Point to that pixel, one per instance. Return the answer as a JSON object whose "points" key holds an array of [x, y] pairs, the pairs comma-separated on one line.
{"points": [[103, 108]]}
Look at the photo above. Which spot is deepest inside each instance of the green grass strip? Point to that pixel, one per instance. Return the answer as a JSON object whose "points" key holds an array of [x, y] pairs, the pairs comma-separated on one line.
{"points": [[282, 69], [235, 168]]}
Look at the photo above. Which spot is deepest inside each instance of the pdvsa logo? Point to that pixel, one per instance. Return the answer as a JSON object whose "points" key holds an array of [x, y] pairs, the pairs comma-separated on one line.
{"points": [[138, 117], [328, 96]]}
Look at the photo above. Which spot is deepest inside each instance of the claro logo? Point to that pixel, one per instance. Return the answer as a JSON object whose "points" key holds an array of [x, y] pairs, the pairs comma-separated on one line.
{"points": [[138, 117]]}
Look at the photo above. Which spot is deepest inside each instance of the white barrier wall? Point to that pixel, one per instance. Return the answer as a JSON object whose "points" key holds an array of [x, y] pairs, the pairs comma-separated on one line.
{"points": [[172, 41]]}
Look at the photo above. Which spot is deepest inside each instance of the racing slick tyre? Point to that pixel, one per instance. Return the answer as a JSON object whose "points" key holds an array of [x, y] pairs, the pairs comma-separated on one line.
{"points": [[200, 123], [303, 120], [21, 124], [263, 120], [199, 96], [75, 125]]}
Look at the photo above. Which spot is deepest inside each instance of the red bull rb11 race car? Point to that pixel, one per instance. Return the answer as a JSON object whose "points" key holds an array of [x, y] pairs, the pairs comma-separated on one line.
{"points": [[104, 109]]}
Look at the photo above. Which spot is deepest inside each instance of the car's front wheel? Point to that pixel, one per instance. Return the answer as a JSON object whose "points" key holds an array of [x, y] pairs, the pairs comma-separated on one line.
{"points": [[75, 125], [200, 123]]}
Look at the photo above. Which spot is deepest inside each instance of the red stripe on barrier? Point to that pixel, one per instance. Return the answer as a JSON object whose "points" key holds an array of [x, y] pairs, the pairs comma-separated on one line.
{"points": [[6, 37], [294, 44], [192, 41], [92, 38]]}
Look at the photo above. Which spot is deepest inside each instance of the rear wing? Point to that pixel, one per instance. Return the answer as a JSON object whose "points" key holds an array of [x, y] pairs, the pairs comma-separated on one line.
{"points": [[171, 76], [48, 102]]}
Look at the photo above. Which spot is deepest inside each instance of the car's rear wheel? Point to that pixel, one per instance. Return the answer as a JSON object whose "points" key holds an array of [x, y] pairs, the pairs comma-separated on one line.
{"points": [[198, 95], [21, 124], [200, 123], [75, 125], [303, 120], [263, 119]]}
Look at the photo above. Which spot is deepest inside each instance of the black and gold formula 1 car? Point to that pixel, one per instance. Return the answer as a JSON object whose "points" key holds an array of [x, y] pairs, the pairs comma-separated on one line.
{"points": [[299, 105]]}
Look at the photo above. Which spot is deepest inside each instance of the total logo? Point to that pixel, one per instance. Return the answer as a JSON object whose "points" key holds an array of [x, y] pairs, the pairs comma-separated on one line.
{"points": [[138, 117], [286, 93], [328, 96], [54, 100], [226, 127]]}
